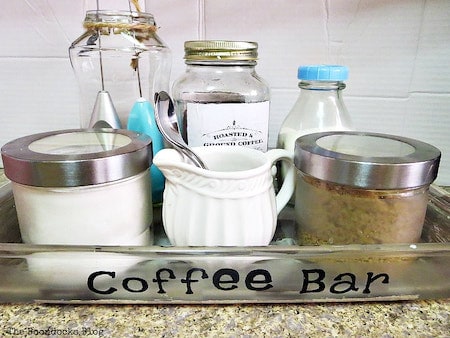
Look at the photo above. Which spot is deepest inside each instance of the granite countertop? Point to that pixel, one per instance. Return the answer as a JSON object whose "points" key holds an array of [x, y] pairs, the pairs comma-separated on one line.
{"points": [[393, 319]]}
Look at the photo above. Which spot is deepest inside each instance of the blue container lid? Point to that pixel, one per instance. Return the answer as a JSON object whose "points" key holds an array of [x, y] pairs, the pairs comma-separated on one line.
{"points": [[323, 73]]}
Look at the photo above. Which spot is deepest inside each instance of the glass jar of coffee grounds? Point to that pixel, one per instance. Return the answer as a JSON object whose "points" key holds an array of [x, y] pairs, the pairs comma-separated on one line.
{"points": [[220, 99]]}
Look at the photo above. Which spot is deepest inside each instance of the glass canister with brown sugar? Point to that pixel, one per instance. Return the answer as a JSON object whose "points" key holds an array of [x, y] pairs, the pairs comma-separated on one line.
{"points": [[362, 188]]}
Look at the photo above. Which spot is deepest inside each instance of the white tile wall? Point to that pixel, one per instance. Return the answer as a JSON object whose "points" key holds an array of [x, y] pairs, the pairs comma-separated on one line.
{"points": [[398, 53]]}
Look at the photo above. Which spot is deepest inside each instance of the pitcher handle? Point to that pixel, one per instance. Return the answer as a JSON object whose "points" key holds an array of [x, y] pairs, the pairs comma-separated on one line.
{"points": [[287, 188]]}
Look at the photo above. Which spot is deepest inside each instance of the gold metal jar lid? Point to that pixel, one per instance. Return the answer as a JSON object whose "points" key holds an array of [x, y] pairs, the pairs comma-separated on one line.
{"points": [[220, 50], [367, 160], [76, 157]]}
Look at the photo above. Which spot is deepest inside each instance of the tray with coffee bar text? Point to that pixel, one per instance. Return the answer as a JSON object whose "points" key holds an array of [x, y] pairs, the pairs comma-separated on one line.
{"points": [[282, 272]]}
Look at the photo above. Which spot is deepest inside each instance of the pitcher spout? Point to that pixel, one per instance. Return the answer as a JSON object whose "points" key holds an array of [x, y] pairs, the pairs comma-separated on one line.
{"points": [[168, 159]]}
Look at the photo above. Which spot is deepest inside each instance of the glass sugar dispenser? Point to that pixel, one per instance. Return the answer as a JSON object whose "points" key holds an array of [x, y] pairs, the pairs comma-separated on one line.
{"points": [[220, 99], [120, 62], [119, 55], [319, 107]]}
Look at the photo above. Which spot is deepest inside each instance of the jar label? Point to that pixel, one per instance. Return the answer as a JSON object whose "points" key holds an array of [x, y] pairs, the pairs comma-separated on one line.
{"points": [[234, 124]]}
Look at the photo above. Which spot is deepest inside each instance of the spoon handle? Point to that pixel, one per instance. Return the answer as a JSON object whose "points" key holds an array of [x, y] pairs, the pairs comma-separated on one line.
{"points": [[164, 112], [193, 157]]}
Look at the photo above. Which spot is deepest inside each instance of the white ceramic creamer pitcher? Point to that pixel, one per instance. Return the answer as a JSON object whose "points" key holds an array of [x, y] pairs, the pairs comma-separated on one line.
{"points": [[231, 204]]}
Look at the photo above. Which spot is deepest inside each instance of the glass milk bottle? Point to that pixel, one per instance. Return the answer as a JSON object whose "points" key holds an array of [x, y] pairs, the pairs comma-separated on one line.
{"points": [[220, 99], [319, 106]]}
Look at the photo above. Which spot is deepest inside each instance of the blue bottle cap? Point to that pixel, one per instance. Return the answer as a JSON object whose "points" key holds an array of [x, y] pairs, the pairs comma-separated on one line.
{"points": [[323, 73]]}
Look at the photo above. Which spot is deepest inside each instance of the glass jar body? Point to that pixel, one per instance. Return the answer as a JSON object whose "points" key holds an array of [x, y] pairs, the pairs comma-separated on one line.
{"points": [[41, 210], [120, 53], [319, 107], [330, 213], [222, 103]]}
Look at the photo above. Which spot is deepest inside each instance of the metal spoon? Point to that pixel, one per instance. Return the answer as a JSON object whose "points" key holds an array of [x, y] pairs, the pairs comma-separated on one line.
{"points": [[167, 123]]}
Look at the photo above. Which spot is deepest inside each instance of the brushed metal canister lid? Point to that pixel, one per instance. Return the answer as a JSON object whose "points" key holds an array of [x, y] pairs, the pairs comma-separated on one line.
{"points": [[367, 160], [76, 157]]}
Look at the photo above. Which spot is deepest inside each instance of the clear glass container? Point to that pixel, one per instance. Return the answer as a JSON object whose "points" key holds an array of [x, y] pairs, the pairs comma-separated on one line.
{"points": [[120, 53], [319, 106], [220, 99], [362, 188]]}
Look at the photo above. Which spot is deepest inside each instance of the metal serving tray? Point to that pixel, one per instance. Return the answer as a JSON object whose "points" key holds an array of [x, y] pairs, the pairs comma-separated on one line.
{"points": [[279, 273]]}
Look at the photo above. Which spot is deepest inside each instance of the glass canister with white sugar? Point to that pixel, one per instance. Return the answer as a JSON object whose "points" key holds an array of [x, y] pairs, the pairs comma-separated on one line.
{"points": [[220, 99], [82, 187], [362, 188]]}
